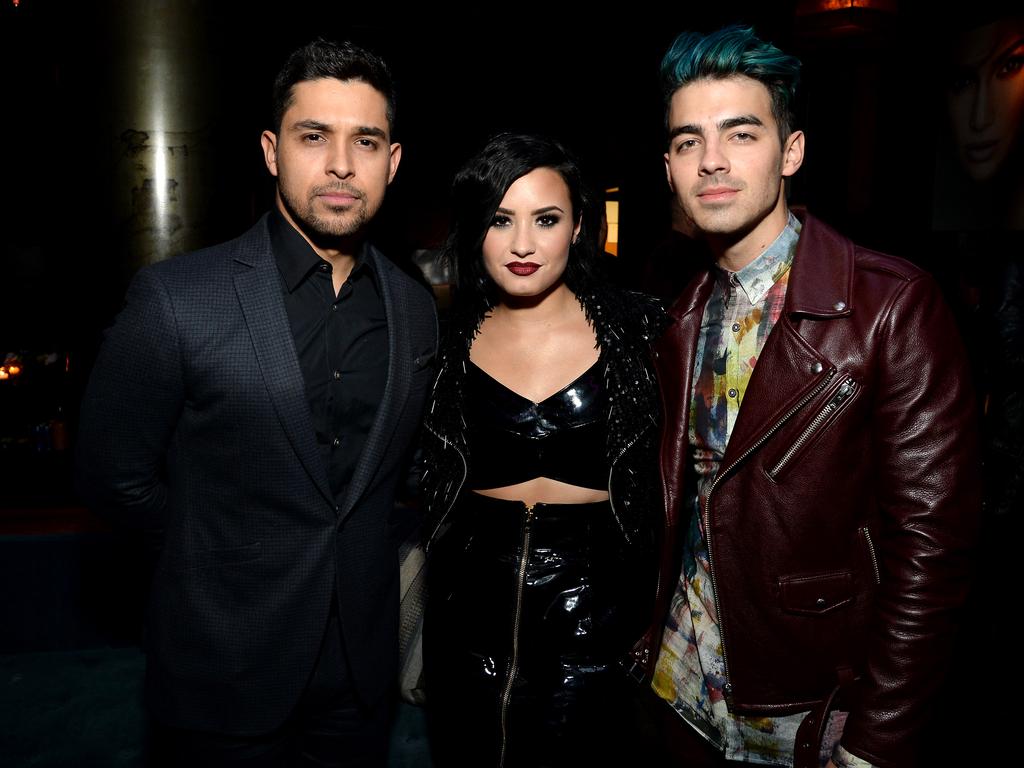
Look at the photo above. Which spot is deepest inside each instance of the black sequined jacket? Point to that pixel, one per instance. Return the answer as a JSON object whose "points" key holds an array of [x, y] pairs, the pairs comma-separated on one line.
{"points": [[625, 324]]}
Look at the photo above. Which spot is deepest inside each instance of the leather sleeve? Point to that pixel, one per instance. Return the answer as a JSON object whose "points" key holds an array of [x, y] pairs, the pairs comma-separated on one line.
{"points": [[130, 409], [928, 487]]}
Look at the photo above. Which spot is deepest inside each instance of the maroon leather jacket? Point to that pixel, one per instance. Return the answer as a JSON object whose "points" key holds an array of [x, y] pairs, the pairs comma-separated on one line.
{"points": [[841, 521]]}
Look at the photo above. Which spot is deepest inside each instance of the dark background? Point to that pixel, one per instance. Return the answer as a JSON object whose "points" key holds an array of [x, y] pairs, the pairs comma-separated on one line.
{"points": [[871, 107], [868, 110]]}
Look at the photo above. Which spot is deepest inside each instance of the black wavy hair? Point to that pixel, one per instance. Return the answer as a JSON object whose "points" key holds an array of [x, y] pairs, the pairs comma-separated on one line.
{"points": [[478, 190]]}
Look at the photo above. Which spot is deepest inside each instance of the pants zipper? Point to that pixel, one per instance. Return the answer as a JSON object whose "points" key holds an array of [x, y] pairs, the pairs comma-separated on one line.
{"points": [[513, 663]]}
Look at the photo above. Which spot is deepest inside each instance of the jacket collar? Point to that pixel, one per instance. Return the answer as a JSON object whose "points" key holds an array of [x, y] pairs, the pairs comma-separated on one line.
{"points": [[820, 283], [258, 287], [694, 296]]}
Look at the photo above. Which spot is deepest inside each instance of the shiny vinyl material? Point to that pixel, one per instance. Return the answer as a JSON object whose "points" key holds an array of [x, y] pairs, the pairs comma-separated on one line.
{"points": [[513, 439], [529, 614]]}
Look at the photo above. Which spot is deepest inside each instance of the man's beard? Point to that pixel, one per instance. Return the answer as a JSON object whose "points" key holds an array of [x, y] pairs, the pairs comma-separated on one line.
{"points": [[319, 227]]}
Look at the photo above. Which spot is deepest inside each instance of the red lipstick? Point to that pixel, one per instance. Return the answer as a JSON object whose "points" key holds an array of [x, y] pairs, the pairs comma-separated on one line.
{"points": [[522, 268]]}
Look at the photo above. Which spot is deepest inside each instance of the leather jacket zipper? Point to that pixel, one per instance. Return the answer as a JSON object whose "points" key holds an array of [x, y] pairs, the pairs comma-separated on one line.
{"points": [[513, 663], [611, 469], [847, 388], [636, 668], [727, 687], [872, 554], [462, 481]]}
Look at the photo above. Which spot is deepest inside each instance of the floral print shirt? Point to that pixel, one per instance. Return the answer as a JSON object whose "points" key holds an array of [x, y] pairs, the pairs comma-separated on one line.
{"points": [[740, 313]]}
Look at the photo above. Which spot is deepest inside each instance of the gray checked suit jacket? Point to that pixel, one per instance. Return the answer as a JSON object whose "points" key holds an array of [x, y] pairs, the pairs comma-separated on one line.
{"points": [[195, 421]]}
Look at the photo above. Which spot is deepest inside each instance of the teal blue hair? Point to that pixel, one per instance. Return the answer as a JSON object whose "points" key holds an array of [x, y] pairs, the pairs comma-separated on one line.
{"points": [[730, 51]]}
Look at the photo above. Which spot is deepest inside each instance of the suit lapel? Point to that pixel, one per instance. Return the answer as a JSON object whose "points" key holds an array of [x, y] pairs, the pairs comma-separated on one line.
{"points": [[396, 390], [259, 293]]}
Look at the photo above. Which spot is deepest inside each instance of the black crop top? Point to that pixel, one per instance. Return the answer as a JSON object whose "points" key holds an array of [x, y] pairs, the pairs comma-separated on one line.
{"points": [[512, 439]]}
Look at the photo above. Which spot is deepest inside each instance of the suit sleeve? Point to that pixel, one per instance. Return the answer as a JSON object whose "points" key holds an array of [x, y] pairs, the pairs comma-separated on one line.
{"points": [[928, 487], [130, 409]]}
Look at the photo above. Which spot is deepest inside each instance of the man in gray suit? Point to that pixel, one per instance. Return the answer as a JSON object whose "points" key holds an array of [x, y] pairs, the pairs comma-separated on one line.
{"points": [[257, 401]]}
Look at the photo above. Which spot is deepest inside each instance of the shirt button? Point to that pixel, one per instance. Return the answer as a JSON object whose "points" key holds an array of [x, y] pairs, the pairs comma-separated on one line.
{"points": [[334, 307], [336, 375], [324, 267], [817, 368], [336, 442], [733, 393], [839, 306], [735, 327]]}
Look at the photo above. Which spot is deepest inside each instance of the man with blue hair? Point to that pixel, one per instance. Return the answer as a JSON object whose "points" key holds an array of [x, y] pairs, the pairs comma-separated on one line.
{"points": [[818, 456]]}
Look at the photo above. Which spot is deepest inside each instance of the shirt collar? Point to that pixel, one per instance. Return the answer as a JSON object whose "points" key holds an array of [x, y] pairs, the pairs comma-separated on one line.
{"points": [[757, 278], [296, 259]]}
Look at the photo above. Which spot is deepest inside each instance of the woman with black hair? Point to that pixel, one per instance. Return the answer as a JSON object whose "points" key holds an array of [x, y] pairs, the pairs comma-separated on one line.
{"points": [[542, 518]]}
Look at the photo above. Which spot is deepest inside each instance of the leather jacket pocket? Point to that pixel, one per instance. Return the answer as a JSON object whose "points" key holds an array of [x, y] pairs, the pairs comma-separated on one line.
{"points": [[816, 594], [869, 545]]}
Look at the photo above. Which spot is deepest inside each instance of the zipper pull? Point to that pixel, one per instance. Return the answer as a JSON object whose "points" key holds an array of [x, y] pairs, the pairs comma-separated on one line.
{"points": [[529, 511], [844, 391], [727, 692]]}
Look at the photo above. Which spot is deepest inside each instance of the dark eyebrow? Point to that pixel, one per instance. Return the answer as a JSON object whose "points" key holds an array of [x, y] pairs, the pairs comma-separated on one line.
{"points": [[311, 125], [694, 129], [538, 212], [729, 122], [361, 130], [370, 130], [736, 122], [1008, 50], [961, 68]]}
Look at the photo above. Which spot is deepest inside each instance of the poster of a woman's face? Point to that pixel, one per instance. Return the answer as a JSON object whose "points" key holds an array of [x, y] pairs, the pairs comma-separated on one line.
{"points": [[984, 103]]}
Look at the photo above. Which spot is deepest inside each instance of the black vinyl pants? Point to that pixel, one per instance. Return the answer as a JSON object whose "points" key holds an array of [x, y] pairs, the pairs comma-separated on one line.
{"points": [[529, 613]]}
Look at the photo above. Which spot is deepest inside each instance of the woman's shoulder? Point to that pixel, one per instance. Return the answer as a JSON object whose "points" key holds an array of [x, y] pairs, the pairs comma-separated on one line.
{"points": [[648, 308], [629, 312]]}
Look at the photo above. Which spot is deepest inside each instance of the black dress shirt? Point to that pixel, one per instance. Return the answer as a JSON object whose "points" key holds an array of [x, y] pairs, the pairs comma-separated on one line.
{"points": [[342, 345]]}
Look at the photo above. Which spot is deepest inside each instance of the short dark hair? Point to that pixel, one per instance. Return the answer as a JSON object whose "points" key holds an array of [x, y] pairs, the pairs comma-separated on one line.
{"points": [[478, 190], [323, 59], [733, 50]]}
